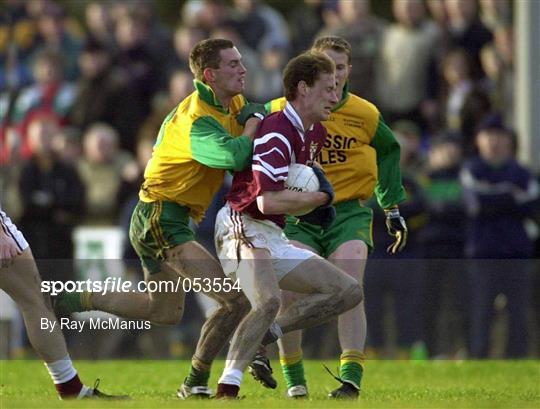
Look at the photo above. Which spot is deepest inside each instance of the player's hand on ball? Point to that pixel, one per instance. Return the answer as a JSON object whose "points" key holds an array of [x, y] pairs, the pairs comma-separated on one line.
{"points": [[324, 185], [251, 110], [396, 226], [322, 216]]}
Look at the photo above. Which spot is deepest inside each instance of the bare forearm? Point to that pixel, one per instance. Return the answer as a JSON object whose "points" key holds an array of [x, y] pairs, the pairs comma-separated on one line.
{"points": [[290, 202]]}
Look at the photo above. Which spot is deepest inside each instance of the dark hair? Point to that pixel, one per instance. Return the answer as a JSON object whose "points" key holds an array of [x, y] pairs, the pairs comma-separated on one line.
{"points": [[206, 54], [306, 67], [338, 44]]}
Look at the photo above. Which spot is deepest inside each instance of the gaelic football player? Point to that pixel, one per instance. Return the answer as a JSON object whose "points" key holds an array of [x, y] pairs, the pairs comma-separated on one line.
{"points": [[360, 156], [20, 279], [249, 229], [208, 133]]}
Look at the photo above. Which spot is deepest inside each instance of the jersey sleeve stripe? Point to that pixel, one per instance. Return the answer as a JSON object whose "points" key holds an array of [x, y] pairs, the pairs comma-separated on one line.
{"points": [[261, 169], [268, 166], [270, 151], [264, 139]]}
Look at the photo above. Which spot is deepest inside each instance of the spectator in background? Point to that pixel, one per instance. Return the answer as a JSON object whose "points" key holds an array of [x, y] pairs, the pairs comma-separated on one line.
{"points": [[409, 137], [67, 145], [456, 71], [132, 174], [476, 108], [465, 30], [100, 171], [49, 95], [406, 67], [54, 36], [185, 38], [495, 13], [504, 44], [499, 193], [113, 98], [18, 39], [159, 39], [361, 28], [205, 14], [437, 11], [261, 26], [310, 13], [384, 276], [52, 197], [99, 24], [135, 60], [442, 241], [499, 82]]}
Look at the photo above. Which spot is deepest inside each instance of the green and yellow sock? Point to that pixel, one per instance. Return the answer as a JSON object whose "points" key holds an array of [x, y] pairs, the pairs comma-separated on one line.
{"points": [[86, 301], [293, 369], [67, 303], [197, 377], [352, 366]]}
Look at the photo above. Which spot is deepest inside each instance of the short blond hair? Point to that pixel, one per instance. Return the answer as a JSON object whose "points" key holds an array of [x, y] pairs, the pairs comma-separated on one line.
{"points": [[338, 44]]}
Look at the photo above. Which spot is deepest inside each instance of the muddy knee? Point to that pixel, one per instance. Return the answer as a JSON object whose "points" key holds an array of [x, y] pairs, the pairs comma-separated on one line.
{"points": [[239, 303], [268, 306]]}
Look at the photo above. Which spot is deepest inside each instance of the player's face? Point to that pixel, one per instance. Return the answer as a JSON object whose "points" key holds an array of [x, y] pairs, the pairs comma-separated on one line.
{"points": [[343, 69], [230, 77], [322, 97]]}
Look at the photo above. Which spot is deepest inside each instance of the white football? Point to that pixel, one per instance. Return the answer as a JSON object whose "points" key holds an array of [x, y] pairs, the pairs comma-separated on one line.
{"points": [[301, 178]]}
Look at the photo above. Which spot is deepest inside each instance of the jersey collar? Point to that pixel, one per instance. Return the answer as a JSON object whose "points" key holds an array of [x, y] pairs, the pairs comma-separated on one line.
{"points": [[207, 95], [344, 97], [293, 116]]}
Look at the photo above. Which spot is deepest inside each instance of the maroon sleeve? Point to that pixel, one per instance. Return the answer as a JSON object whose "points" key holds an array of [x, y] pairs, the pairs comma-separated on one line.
{"points": [[271, 159]]}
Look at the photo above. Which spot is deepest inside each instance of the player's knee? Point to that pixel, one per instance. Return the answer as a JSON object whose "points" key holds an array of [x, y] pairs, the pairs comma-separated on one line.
{"points": [[268, 306], [241, 303], [237, 305]]}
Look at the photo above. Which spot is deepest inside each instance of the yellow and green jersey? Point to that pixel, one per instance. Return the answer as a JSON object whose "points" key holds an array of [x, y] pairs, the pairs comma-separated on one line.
{"points": [[361, 154], [198, 141]]}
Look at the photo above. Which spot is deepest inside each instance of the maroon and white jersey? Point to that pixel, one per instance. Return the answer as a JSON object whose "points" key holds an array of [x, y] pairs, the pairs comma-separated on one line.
{"points": [[280, 141]]}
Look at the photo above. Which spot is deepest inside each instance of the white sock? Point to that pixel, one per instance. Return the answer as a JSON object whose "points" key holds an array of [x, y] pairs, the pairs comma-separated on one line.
{"points": [[275, 329], [85, 391], [231, 376], [62, 370]]}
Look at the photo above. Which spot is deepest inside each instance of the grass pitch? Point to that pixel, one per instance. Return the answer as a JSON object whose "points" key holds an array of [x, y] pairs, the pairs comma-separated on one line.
{"points": [[386, 384]]}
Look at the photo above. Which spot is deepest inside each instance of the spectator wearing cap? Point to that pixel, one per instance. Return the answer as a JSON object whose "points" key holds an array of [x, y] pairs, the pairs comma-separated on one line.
{"points": [[499, 195]]}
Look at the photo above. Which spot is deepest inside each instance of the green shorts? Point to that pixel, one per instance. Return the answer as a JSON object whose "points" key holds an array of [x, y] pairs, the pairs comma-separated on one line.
{"points": [[158, 226], [353, 222]]}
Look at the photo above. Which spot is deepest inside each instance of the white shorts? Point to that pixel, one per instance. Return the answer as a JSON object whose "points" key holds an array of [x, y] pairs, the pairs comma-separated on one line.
{"points": [[11, 230], [234, 229]]}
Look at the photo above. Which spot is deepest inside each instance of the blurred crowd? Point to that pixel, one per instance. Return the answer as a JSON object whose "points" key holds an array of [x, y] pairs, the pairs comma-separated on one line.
{"points": [[81, 103]]}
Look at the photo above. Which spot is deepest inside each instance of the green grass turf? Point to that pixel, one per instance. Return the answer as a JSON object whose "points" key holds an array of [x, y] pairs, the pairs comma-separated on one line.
{"points": [[387, 384]]}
